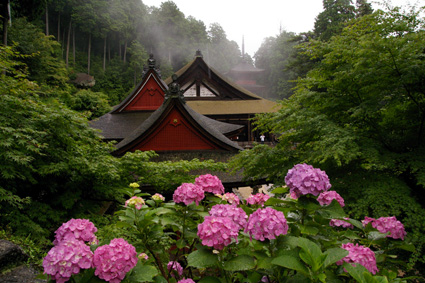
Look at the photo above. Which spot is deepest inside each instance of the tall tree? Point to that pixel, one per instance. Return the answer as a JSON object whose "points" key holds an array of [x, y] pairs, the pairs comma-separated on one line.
{"points": [[336, 13]]}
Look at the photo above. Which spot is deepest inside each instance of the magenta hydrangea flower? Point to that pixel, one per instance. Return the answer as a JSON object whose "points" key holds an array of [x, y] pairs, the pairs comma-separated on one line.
{"points": [[186, 281], [387, 224], [174, 265], [217, 232], [210, 183], [66, 259], [326, 198], [79, 229], [236, 214], [340, 223], [188, 193], [266, 223], [137, 202], [360, 254], [230, 198], [258, 198], [113, 261], [304, 179]]}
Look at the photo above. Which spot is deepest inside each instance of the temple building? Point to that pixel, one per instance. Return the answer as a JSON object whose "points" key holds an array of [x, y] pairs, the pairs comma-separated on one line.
{"points": [[196, 110], [246, 75], [216, 96]]}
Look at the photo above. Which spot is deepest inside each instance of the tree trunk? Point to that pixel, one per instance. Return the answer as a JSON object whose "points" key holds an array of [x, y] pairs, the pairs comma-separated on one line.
{"points": [[6, 18], [119, 48], [104, 54], [125, 51], [73, 44], [68, 43], [59, 27], [88, 55], [47, 20]]}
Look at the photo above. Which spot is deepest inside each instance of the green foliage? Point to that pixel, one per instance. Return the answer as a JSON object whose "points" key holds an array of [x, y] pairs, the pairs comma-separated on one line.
{"points": [[359, 114], [166, 231], [95, 104], [44, 63], [165, 176]]}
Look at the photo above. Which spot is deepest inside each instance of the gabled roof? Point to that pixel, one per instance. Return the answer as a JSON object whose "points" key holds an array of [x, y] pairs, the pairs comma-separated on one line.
{"points": [[198, 70], [176, 127], [232, 99], [147, 95]]}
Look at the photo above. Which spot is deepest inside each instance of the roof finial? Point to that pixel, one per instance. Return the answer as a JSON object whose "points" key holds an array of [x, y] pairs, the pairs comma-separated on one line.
{"points": [[199, 54]]}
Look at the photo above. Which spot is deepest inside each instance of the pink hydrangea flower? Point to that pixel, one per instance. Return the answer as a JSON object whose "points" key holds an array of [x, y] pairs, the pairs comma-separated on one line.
{"points": [[66, 259], [210, 183], [258, 198], [387, 224], [113, 261], [360, 254], [79, 229], [266, 223], [137, 202], [158, 197], [236, 214], [326, 198], [143, 256], [304, 179], [186, 281], [230, 198], [217, 232], [174, 265], [188, 193], [340, 223]]}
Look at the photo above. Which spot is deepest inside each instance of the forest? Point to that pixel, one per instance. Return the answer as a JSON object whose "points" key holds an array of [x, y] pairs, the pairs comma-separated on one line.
{"points": [[352, 96]]}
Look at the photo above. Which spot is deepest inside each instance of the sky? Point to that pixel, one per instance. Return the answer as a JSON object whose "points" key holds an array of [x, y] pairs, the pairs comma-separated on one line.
{"points": [[253, 21]]}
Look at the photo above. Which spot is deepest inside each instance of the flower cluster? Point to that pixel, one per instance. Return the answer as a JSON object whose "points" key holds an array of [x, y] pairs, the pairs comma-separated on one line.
{"points": [[143, 256], [188, 193], [304, 179], [137, 202], [360, 254], [66, 259], [266, 223], [326, 198], [258, 198], [387, 224], [236, 214], [174, 265], [217, 232], [158, 197], [186, 281], [78, 229], [230, 198], [210, 183], [340, 223], [113, 261], [134, 185]]}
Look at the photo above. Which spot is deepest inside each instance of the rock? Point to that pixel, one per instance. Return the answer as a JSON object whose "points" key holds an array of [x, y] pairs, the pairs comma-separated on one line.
{"points": [[84, 80], [12, 265], [21, 274], [11, 255]]}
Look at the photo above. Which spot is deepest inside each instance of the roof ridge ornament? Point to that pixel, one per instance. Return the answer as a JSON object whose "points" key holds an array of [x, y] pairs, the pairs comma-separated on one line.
{"points": [[174, 90], [151, 65], [199, 54]]}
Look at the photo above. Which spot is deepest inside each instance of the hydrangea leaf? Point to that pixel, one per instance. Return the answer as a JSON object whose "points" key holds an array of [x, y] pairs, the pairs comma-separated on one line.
{"points": [[202, 258], [143, 273], [291, 262], [333, 255], [241, 262]]}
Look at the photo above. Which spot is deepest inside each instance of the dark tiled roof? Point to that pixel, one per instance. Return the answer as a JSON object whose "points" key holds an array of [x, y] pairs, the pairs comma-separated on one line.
{"points": [[212, 127], [118, 126]]}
